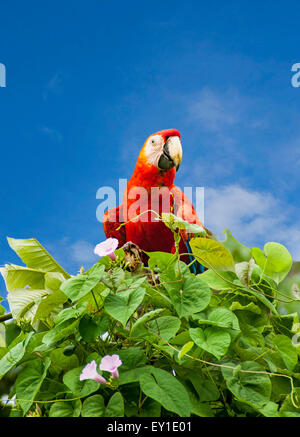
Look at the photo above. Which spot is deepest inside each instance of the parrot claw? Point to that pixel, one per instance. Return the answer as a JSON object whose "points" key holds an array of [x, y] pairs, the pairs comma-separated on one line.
{"points": [[133, 255]]}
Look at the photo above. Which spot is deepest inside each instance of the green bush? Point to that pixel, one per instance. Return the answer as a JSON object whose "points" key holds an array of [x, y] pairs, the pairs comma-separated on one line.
{"points": [[221, 343]]}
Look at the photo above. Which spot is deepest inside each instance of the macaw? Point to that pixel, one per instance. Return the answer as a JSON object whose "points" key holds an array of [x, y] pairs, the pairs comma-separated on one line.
{"points": [[153, 175]]}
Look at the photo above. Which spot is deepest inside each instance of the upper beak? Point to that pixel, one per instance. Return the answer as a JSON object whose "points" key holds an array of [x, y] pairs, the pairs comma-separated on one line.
{"points": [[172, 154]]}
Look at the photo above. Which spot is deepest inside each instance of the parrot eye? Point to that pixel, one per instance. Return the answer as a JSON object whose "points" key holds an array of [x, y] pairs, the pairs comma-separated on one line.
{"points": [[154, 149], [157, 140]]}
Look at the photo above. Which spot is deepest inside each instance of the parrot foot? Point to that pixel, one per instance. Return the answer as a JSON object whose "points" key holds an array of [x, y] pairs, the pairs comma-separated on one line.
{"points": [[133, 255]]}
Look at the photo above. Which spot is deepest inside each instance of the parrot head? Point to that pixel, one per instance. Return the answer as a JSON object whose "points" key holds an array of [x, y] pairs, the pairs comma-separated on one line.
{"points": [[163, 149]]}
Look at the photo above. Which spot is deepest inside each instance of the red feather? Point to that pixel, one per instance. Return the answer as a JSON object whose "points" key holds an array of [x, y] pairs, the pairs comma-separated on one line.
{"points": [[150, 235]]}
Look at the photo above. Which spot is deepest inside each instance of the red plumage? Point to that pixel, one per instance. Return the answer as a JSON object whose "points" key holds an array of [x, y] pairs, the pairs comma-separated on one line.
{"points": [[146, 232]]}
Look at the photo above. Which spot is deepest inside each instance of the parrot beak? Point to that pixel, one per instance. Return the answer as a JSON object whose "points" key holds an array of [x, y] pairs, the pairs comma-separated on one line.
{"points": [[172, 154]]}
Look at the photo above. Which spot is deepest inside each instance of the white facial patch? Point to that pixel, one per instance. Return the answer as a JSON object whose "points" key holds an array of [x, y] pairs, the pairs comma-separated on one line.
{"points": [[154, 149]]}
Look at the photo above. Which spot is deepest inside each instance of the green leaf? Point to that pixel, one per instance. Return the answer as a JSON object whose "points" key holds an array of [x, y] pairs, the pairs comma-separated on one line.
{"points": [[145, 318], [29, 382], [53, 281], [166, 390], [65, 409], [2, 336], [93, 407], [244, 271], [206, 390], [53, 302], [150, 408], [276, 261], [78, 287], [114, 278], [259, 257], [238, 251], [201, 409], [216, 283], [20, 277], [211, 253], [133, 375], [189, 295], [79, 388], [61, 362], [132, 283], [71, 313], [122, 305], [61, 331], [115, 406], [263, 299], [181, 339], [24, 302], [13, 356], [288, 409], [50, 303], [251, 388], [286, 350], [185, 349], [249, 307], [174, 222], [90, 328], [51, 390], [131, 358], [214, 340], [221, 317], [12, 333], [95, 298], [34, 255], [2, 309], [35, 341], [162, 260], [163, 327]]}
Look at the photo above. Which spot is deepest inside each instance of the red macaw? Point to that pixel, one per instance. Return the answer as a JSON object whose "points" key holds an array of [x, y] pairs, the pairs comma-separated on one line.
{"points": [[154, 172]]}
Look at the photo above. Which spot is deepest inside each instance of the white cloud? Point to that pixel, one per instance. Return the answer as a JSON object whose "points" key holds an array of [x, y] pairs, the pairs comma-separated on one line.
{"points": [[213, 111], [217, 111], [73, 255], [253, 217], [83, 252]]}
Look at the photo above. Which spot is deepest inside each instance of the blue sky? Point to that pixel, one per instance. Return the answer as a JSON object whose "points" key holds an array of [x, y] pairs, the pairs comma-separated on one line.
{"points": [[87, 82]]}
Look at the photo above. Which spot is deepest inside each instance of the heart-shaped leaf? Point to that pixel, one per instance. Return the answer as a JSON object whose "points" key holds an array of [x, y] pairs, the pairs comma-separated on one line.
{"points": [[122, 305], [214, 340], [211, 253], [78, 287]]}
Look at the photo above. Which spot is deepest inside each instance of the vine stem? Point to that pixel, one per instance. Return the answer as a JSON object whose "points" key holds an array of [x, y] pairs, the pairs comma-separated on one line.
{"points": [[98, 309], [5, 317], [139, 215], [235, 285], [208, 363]]}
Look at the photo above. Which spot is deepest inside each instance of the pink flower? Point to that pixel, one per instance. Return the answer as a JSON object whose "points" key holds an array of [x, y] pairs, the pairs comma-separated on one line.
{"points": [[111, 364], [90, 372], [107, 248]]}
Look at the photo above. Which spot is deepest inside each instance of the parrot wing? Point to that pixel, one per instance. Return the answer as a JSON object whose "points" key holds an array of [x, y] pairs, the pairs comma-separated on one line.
{"points": [[184, 208], [112, 221]]}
